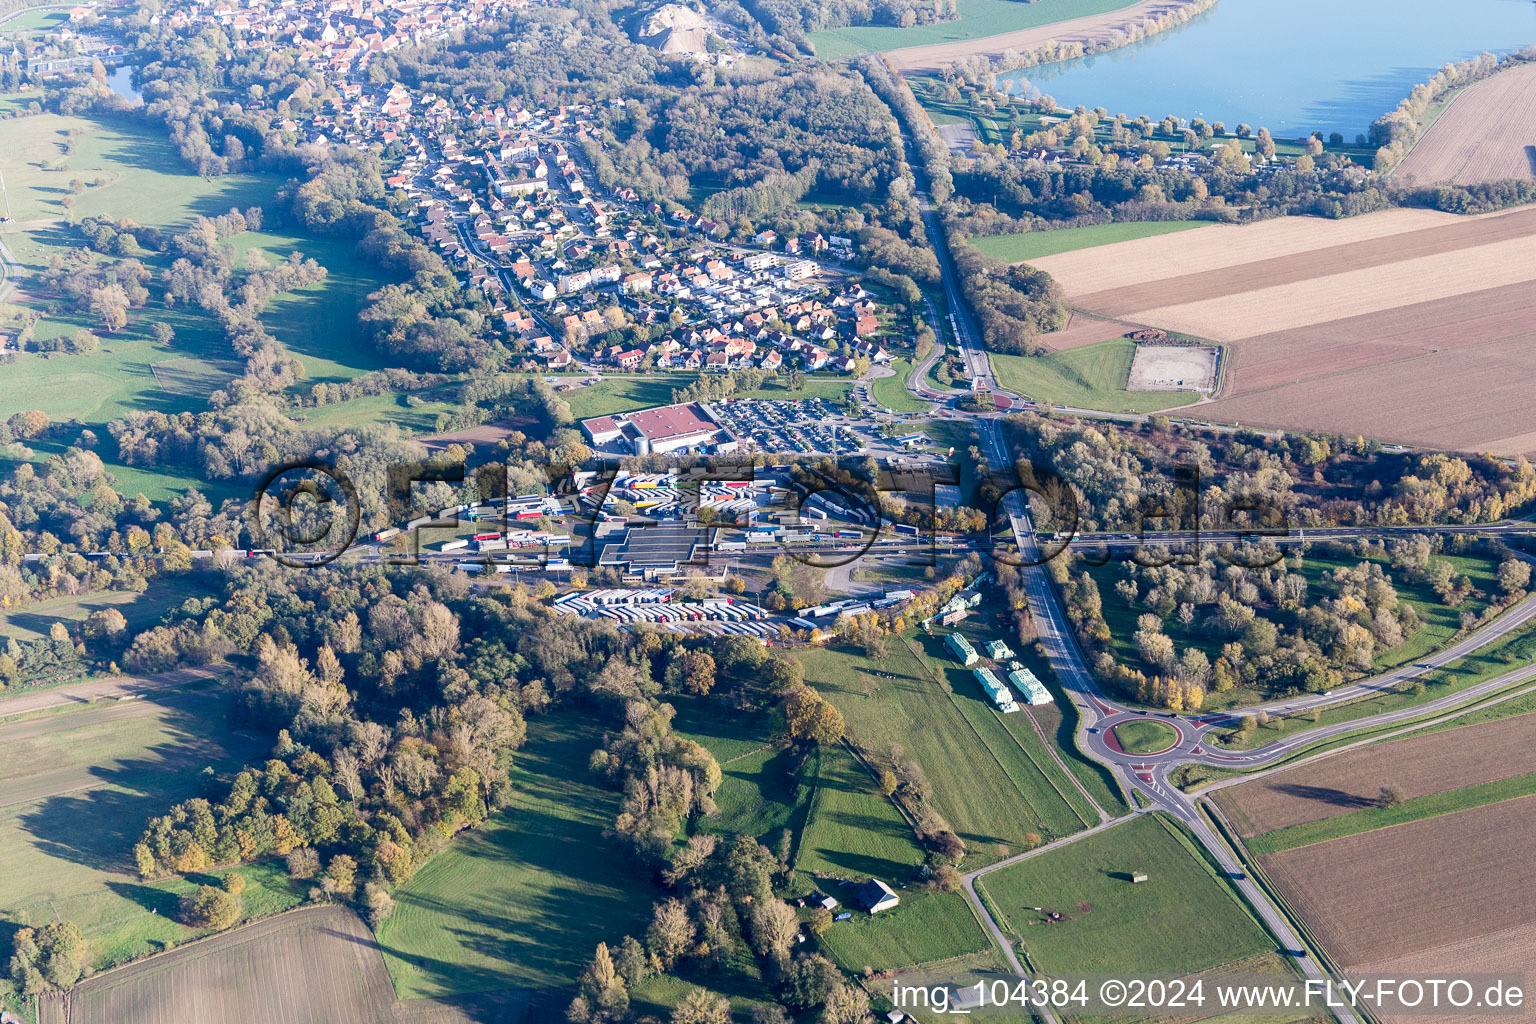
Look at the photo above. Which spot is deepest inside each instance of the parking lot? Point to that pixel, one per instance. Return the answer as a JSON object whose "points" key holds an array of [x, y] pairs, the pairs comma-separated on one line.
{"points": [[809, 425]]}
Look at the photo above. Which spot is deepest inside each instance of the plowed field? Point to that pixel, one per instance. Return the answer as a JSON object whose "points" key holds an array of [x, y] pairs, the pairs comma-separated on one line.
{"points": [[1416, 766], [1487, 133], [1405, 325], [1416, 888], [319, 965]]}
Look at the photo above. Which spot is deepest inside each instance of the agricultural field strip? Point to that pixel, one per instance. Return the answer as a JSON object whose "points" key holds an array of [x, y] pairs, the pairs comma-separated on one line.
{"points": [[1056, 756], [1476, 319], [1507, 951], [1350, 890], [1083, 330], [113, 687], [1444, 275], [317, 965], [1373, 818], [1214, 249], [32, 786], [1459, 399], [1484, 134], [1415, 765], [1246, 276]]}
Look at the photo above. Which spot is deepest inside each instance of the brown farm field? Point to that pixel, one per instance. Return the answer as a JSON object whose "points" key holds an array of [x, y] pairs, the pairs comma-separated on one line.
{"points": [[1083, 330], [318, 965], [1504, 952], [1405, 325], [1415, 766], [1450, 882], [1488, 133]]}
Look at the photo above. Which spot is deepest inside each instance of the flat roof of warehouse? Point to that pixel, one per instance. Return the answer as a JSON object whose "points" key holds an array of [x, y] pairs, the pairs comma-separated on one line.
{"points": [[669, 421], [660, 424], [651, 547]]}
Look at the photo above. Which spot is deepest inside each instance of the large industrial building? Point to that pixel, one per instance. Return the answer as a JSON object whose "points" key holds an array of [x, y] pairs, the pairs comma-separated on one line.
{"points": [[666, 428]]}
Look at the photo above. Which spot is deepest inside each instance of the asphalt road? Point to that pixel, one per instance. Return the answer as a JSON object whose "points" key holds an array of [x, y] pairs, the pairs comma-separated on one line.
{"points": [[1066, 659]]}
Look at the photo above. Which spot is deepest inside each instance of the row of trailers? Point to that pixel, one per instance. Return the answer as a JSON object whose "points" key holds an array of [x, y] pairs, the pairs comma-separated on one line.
{"points": [[657, 607]]}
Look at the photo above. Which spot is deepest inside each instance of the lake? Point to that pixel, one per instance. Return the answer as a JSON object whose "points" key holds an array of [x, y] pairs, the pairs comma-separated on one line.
{"points": [[1293, 66], [121, 81]]}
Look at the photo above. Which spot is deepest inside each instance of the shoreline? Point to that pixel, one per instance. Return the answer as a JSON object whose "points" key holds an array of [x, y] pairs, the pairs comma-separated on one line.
{"points": [[1062, 40]]}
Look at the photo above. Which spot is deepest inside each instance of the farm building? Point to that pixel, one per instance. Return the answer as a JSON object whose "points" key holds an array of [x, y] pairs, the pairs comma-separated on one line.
{"points": [[962, 649], [877, 896], [996, 690], [1025, 682], [998, 650]]}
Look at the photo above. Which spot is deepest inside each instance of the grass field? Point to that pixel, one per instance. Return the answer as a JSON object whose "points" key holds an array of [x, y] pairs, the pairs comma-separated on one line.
{"points": [[1145, 737], [956, 434], [892, 392], [851, 830], [133, 171], [40, 21], [1035, 244], [1371, 818], [1183, 919], [521, 902], [418, 419], [761, 795], [926, 926], [986, 780], [1089, 377], [978, 18], [76, 787], [739, 981], [140, 610]]}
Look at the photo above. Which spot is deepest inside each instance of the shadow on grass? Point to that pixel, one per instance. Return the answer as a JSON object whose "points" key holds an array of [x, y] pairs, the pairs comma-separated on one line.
{"points": [[156, 901]]}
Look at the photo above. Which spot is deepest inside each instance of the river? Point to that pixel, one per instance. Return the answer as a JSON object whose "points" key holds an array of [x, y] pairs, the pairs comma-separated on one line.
{"points": [[1293, 66]]}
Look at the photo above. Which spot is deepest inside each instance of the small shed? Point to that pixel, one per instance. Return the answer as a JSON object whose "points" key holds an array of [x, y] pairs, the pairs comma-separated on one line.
{"points": [[1138, 876], [827, 902]]}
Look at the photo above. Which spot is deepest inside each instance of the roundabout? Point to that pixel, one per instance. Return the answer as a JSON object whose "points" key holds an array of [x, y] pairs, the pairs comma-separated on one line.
{"points": [[1145, 736]]}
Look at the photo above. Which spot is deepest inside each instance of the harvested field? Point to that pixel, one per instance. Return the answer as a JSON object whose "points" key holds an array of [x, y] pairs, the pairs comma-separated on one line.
{"points": [[1475, 400], [485, 433], [1351, 890], [1428, 314], [1415, 766], [1091, 29], [1083, 330], [319, 965], [1488, 133], [1173, 368], [1507, 952]]}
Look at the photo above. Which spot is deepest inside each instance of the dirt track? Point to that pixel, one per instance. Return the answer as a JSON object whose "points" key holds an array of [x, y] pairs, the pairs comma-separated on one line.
{"points": [[1416, 887], [1487, 133], [1415, 766], [1092, 29]]}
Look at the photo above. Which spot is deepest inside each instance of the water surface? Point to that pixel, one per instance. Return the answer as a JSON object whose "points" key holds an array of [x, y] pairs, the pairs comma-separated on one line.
{"points": [[1293, 66]]}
